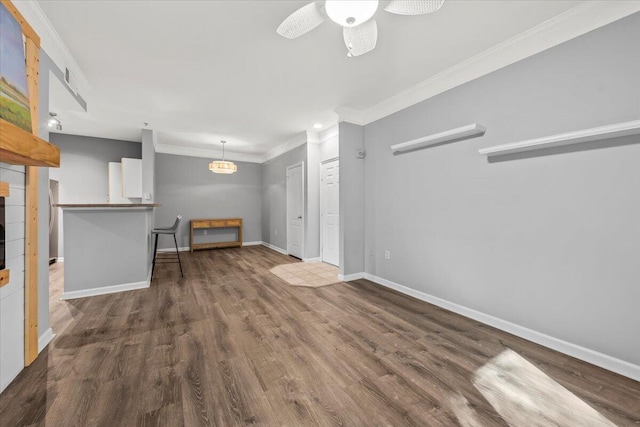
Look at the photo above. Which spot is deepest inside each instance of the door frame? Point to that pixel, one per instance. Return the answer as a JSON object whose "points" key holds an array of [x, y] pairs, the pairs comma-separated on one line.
{"points": [[322, 202], [304, 219]]}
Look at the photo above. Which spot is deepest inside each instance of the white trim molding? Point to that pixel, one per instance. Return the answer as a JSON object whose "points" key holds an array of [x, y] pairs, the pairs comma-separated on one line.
{"points": [[599, 359], [275, 248], [44, 339], [169, 250], [351, 115], [105, 290], [579, 20], [288, 145], [178, 150], [316, 259], [351, 277], [323, 136], [188, 249], [52, 43]]}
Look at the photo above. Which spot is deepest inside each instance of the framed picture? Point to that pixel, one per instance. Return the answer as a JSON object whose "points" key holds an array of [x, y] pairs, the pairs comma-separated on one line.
{"points": [[14, 94]]}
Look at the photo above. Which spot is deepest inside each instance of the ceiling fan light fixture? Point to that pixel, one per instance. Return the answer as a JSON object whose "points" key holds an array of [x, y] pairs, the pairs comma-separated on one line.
{"points": [[350, 13]]}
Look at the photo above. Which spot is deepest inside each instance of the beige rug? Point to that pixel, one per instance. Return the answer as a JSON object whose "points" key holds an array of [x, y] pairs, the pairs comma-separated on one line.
{"points": [[308, 274]]}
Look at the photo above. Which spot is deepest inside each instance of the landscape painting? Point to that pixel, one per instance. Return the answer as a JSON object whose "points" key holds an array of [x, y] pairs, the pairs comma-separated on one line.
{"points": [[14, 95]]}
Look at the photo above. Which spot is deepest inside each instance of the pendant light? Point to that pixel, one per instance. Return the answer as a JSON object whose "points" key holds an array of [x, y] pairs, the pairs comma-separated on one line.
{"points": [[222, 166]]}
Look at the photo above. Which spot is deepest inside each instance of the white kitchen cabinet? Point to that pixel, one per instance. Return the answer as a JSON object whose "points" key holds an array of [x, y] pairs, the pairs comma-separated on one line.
{"points": [[131, 178]]}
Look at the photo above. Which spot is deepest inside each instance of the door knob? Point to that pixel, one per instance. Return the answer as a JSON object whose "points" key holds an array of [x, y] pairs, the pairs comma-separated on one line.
{"points": [[300, 217]]}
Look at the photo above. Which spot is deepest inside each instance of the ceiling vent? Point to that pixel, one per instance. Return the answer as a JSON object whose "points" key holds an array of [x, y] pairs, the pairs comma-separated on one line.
{"points": [[71, 80]]}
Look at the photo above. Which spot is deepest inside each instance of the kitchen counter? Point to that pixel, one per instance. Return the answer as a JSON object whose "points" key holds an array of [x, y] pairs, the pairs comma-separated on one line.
{"points": [[107, 248]]}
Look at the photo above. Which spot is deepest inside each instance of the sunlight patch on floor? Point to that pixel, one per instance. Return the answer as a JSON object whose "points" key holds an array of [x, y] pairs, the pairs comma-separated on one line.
{"points": [[525, 396]]}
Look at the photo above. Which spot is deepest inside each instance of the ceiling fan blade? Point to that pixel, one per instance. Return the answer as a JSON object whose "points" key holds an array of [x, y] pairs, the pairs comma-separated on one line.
{"points": [[361, 38], [301, 21], [413, 7]]}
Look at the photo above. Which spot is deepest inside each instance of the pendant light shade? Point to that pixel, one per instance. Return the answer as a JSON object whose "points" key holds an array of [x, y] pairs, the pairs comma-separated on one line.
{"points": [[222, 166]]}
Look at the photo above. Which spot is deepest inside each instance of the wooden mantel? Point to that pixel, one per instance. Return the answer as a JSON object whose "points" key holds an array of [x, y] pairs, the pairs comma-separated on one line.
{"points": [[19, 147]]}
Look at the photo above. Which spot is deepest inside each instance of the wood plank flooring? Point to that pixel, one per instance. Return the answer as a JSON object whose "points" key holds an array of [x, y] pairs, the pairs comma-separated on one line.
{"points": [[232, 344]]}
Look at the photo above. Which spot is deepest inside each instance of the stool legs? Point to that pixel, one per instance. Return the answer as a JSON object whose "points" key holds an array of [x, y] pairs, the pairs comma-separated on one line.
{"points": [[155, 252], [177, 253]]}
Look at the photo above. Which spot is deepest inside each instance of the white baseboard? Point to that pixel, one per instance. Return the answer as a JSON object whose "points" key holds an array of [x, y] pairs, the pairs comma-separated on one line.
{"points": [[45, 339], [316, 259], [275, 248], [105, 290], [188, 249], [60, 259], [173, 249], [599, 359], [350, 277]]}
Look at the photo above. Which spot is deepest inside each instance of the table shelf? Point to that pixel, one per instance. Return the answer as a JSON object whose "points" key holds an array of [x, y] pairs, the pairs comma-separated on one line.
{"points": [[206, 223]]}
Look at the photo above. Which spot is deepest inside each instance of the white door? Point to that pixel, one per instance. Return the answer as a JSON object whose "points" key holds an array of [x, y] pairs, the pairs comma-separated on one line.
{"points": [[295, 209], [329, 211]]}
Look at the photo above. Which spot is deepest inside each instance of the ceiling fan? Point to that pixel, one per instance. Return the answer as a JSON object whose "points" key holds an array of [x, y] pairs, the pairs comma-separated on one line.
{"points": [[360, 30]]}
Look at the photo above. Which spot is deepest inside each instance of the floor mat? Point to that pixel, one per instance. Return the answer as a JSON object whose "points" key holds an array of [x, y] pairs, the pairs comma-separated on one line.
{"points": [[308, 274]]}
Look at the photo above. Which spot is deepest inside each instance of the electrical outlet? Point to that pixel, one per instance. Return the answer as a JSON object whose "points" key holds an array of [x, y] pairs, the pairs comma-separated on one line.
{"points": [[387, 255], [147, 196], [204, 232]]}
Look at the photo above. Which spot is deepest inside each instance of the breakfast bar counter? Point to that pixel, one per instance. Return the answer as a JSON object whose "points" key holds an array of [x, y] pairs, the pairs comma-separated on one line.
{"points": [[107, 248]]}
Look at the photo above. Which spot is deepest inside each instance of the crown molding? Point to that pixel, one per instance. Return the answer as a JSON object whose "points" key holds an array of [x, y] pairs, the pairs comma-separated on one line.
{"points": [[296, 141], [313, 137], [329, 133], [574, 22], [322, 136], [352, 115], [52, 43], [289, 145], [204, 152]]}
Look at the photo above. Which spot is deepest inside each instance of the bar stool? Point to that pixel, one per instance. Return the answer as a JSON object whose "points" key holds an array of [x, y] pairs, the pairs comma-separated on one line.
{"points": [[167, 230]]}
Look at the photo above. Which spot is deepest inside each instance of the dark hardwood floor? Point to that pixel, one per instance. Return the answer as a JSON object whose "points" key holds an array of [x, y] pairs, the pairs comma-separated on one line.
{"points": [[232, 344]]}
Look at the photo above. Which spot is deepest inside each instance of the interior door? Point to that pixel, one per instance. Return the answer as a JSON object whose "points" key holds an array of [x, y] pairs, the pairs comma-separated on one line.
{"points": [[295, 209], [330, 212]]}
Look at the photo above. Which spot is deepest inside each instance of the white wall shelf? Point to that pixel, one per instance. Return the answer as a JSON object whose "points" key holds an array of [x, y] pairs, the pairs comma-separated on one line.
{"points": [[465, 132], [569, 138]]}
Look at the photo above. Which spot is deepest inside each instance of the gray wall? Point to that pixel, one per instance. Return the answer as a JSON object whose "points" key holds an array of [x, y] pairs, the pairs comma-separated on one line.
{"points": [[312, 202], [330, 148], [351, 138], [274, 195], [186, 186], [83, 173], [549, 240], [148, 165]]}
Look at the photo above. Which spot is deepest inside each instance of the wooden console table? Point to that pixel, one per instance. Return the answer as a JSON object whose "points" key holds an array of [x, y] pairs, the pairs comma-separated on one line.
{"points": [[216, 223]]}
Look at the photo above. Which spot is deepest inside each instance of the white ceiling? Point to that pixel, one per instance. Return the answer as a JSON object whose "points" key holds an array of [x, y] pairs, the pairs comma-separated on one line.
{"points": [[202, 71]]}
